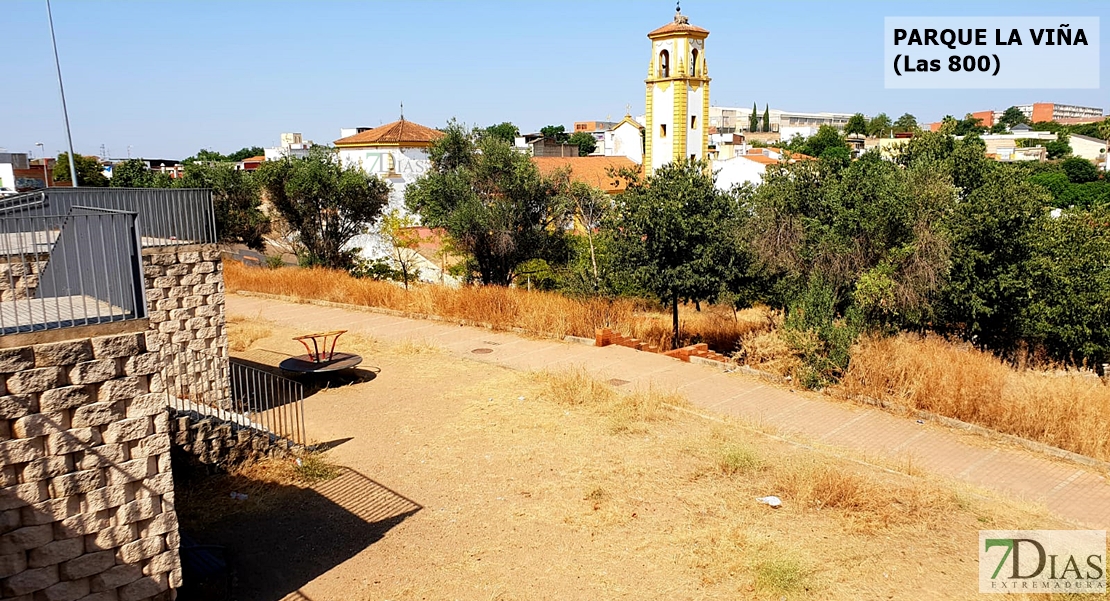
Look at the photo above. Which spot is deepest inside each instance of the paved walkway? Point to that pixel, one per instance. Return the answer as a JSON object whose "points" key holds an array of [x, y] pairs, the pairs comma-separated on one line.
{"points": [[1076, 493]]}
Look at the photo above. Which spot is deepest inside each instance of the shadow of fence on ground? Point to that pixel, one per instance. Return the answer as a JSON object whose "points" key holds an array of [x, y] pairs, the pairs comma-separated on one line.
{"points": [[275, 551]]}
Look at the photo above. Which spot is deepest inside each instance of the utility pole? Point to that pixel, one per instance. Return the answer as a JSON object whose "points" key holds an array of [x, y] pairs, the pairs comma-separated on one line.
{"points": [[65, 111]]}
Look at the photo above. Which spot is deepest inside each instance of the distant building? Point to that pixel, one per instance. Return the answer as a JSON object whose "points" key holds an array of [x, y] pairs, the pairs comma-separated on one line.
{"points": [[251, 163], [625, 139], [729, 120], [592, 170], [1092, 149], [748, 168], [396, 152], [291, 144], [1039, 112], [596, 129], [9, 163]]}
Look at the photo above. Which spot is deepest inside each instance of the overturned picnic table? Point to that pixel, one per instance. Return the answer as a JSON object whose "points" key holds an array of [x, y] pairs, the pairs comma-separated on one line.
{"points": [[321, 356]]}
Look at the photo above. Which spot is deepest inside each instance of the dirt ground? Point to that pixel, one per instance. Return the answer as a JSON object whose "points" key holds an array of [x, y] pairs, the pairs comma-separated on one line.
{"points": [[463, 480]]}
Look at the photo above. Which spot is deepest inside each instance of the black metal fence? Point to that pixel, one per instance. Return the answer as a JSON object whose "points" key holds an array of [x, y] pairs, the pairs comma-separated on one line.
{"points": [[79, 268], [204, 383], [166, 217]]}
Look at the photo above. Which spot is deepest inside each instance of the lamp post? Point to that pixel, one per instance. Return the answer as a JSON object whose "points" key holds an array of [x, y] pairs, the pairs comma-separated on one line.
{"points": [[65, 111], [45, 172]]}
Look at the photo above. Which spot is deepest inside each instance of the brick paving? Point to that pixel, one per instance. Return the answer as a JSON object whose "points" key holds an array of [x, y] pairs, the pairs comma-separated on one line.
{"points": [[1076, 493]]}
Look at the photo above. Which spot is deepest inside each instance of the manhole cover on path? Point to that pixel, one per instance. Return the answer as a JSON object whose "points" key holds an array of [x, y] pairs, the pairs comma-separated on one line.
{"points": [[618, 382], [482, 351]]}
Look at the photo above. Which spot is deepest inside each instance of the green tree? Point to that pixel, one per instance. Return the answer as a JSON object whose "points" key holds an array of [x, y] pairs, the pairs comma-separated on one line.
{"points": [[584, 141], [131, 173], [1013, 116], [673, 234], [592, 207], [767, 117], [879, 126], [857, 124], [826, 137], [506, 132], [906, 123], [492, 201], [89, 172], [399, 230], [753, 119], [1079, 170], [236, 201], [246, 153], [325, 202], [206, 156], [993, 235], [1058, 148], [558, 133], [948, 126], [1069, 314], [969, 125]]}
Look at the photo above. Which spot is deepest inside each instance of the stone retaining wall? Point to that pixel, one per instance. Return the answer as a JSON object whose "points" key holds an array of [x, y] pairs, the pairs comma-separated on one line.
{"points": [[215, 442], [19, 278], [86, 491]]}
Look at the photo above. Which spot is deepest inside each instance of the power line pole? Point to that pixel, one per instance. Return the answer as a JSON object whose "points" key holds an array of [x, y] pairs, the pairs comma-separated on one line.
{"points": [[65, 111]]}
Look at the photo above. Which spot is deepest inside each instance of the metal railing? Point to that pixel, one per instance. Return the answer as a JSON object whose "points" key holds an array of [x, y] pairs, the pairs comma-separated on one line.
{"points": [[208, 385], [59, 271], [166, 217]]}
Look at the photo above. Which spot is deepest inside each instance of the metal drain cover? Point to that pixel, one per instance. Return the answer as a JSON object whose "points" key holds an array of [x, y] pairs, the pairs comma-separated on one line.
{"points": [[482, 351]]}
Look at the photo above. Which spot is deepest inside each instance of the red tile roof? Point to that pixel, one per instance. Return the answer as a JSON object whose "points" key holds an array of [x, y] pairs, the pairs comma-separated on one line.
{"points": [[257, 159], [679, 28], [589, 170], [398, 133]]}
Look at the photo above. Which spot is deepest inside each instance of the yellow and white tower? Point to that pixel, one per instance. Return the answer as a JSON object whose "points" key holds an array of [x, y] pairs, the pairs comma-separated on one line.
{"points": [[677, 116]]}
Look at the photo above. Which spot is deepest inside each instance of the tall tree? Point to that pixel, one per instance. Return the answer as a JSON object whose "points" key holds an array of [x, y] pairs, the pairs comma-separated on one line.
{"points": [[826, 138], [879, 125], [246, 153], [674, 233], [206, 156], [970, 124], [131, 173], [235, 200], [558, 133], [399, 230], [492, 201], [767, 118], [1013, 116], [753, 119], [591, 208], [857, 124], [905, 123], [504, 131], [325, 202], [89, 172], [584, 141]]}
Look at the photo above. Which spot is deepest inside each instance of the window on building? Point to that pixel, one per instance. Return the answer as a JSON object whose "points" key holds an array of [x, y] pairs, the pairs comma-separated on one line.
{"points": [[694, 63], [664, 64], [693, 121], [663, 130]]}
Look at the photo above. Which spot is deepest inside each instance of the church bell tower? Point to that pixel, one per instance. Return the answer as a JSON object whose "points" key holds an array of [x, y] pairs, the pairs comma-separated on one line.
{"points": [[677, 115]]}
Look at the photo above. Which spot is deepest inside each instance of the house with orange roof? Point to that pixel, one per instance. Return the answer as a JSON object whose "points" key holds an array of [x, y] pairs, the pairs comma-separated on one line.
{"points": [[750, 167], [397, 152], [592, 170]]}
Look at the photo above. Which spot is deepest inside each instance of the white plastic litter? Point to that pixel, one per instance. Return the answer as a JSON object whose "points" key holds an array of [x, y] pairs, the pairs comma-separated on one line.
{"points": [[773, 501]]}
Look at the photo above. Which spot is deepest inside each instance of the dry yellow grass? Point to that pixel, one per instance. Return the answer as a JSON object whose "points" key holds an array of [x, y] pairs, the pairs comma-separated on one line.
{"points": [[1064, 409], [243, 332], [542, 313]]}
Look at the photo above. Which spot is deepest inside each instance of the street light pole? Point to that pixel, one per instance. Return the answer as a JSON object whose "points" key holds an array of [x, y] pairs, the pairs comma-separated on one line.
{"points": [[45, 172], [65, 111]]}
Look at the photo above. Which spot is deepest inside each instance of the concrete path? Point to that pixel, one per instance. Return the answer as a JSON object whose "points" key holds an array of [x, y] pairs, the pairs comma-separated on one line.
{"points": [[1075, 493]]}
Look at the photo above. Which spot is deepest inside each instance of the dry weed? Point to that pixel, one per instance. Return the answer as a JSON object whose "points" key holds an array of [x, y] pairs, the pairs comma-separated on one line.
{"points": [[544, 313], [243, 332], [1066, 409]]}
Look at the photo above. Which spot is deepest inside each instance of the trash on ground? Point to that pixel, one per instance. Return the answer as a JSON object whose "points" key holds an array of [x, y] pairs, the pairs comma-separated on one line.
{"points": [[773, 501]]}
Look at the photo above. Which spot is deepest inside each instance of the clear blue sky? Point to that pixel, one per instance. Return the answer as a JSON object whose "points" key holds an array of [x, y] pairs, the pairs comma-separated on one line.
{"points": [[167, 78]]}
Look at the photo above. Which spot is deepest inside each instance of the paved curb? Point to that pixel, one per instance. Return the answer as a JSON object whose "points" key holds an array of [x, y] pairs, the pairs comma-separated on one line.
{"points": [[949, 422]]}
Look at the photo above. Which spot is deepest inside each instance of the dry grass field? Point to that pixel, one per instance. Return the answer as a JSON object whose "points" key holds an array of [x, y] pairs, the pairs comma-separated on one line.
{"points": [[1066, 409], [556, 486]]}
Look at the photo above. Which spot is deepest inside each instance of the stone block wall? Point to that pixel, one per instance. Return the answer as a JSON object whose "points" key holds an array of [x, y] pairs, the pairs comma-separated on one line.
{"points": [[214, 442], [20, 278], [86, 491], [185, 298]]}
